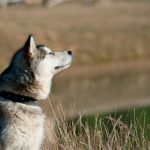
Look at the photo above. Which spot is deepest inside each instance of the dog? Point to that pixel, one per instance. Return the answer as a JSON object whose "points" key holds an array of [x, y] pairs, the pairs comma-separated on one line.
{"points": [[27, 80]]}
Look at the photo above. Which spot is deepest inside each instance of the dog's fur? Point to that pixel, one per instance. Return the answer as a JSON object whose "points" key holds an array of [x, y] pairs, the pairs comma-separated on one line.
{"points": [[29, 74]]}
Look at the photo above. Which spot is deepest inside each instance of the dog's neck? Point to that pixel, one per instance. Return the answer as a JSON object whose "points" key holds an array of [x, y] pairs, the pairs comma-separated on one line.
{"points": [[24, 83], [17, 98]]}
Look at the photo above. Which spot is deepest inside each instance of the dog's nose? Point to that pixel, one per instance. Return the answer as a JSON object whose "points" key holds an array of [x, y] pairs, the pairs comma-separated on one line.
{"points": [[69, 52]]}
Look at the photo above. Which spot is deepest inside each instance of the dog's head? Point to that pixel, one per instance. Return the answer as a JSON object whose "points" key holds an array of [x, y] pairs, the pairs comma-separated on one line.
{"points": [[45, 61], [40, 63], [41, 60]]}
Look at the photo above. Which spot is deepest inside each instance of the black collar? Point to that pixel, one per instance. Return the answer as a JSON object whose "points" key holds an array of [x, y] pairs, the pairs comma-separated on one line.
{"points": [[18, 98]]}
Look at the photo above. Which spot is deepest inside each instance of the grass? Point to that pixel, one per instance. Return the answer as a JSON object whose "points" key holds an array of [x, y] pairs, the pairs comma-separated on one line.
{"points": [[125, 130], [101, 133]]}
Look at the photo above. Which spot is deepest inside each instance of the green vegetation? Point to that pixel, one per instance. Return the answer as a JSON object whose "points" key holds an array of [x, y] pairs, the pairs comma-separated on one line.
{"points": [[138, 117], [124, 130]]}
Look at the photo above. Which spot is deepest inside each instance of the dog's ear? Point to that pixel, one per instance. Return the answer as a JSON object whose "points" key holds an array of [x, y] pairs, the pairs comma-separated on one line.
{"points": [[30, 47]]}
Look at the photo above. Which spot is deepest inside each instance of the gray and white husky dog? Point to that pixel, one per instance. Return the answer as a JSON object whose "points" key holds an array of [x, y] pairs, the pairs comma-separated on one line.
{"points": [[27, 80]]}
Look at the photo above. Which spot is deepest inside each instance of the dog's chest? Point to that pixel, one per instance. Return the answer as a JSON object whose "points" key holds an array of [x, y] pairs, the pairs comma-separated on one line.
{"points": [[24, 127], [30, 127]]}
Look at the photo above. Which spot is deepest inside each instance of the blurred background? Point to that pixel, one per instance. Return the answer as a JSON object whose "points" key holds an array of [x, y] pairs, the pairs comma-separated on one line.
{"points": [[110, 40]]}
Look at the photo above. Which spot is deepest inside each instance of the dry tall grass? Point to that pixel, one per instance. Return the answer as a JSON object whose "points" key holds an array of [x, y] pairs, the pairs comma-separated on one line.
{"points": [[115, 136], [106, 133]]}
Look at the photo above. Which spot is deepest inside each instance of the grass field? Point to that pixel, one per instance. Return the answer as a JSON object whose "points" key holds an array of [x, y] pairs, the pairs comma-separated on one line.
{"points": [[128, 130], [107, 39], [110, 70], [115, 32]]}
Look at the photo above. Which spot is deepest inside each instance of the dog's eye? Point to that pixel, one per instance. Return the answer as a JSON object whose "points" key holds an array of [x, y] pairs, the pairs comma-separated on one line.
{"points": [[51, 53]]}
